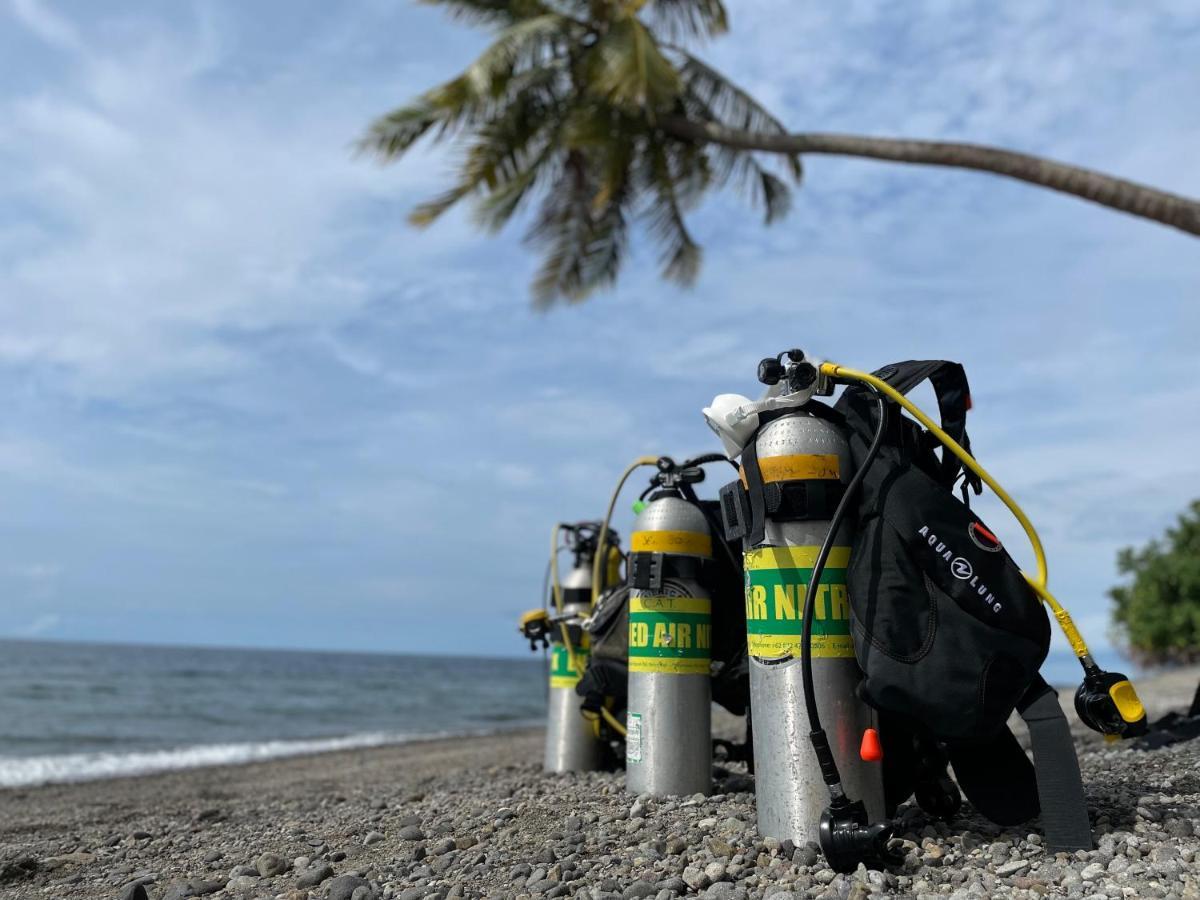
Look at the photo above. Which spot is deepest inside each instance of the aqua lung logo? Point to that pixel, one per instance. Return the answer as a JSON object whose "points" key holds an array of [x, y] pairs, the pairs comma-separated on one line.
{"points": [[960, 568], [983, 539]]}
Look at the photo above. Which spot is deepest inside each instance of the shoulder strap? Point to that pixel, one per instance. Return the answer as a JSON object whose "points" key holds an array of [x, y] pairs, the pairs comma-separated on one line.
{"points": [[949, 381], [754, 488]]}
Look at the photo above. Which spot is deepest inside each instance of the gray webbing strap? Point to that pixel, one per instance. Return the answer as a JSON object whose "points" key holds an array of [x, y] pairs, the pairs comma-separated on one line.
{"points": [[1060, 784]]}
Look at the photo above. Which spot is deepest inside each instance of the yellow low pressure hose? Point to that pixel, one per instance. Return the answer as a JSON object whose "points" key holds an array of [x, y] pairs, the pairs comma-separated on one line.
{"points": [[612, 721], [601, 557], [598, 563], [601, 560], [555, 587], [1038, 583]]}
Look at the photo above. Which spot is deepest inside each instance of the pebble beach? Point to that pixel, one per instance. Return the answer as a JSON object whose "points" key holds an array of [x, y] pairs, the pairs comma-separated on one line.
{"points": [[476, 818]]}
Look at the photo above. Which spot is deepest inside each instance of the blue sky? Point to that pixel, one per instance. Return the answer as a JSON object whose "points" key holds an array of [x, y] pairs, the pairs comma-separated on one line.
{"points": [[245, 404]]}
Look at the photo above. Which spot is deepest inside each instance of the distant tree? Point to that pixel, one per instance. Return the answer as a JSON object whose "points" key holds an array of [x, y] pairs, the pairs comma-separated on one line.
{"points": [[1158, 611], [593, 110]]}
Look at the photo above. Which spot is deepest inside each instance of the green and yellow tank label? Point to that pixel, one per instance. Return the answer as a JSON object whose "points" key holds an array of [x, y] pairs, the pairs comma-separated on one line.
{"points": [[776, 582], [670, 635], [567, 666]]}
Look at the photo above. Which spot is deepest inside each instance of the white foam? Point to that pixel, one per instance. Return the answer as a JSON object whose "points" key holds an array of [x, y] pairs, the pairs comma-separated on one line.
{"points": [[33, 770]]}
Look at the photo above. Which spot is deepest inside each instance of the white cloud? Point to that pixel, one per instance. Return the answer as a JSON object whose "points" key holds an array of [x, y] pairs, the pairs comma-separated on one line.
{"points": [[42, 625], [35, 572], [46, 24], [175, 212]]}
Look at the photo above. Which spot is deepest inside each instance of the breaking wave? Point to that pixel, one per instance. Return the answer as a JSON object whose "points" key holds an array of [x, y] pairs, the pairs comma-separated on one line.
{"points": [[35, 770]]}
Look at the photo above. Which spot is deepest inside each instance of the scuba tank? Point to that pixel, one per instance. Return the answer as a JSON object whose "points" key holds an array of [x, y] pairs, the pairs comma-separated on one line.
{"points": [[672, 640], [794, 471], [573, 743], [668, 744]]}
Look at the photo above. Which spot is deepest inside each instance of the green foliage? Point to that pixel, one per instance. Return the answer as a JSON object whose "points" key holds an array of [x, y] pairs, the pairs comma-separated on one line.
{"points": [[564, 112], [1158, 611]]}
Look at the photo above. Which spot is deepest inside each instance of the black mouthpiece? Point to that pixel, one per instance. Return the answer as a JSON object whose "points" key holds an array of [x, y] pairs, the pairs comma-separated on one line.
{"points": [[847, 839]]}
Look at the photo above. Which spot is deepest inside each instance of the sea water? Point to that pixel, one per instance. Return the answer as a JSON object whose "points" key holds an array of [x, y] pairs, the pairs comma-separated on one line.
{"points": [[81, 711], [71, 712]]}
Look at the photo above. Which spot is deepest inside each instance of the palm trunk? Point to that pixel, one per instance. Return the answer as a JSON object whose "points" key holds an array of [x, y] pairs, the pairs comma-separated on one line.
{"points": [[1116, 193]]}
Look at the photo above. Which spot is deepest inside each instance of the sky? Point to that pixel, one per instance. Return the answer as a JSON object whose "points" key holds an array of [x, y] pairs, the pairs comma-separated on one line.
{"points": [[244, 403]]}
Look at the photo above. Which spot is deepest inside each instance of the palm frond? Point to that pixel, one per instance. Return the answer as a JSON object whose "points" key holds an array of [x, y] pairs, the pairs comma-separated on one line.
{"points": [[742, 169], [561, 227], [523, 57], [709, 94], [504, 199], [584, 244], [776, 196], [389, 136], [525, 44], [503, 144], [608, 240], [628, 69], [430, 211], [504, 160], [681, 255], [489, 12], [497, 208], [677, 19]]}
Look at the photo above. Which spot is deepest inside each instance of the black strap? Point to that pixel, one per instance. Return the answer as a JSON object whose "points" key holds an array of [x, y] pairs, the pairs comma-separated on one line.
{"points": [[997, 777], [1059, 782], [805, 500], [647, 571], [754, 489], [953, 392], [577, 595]]}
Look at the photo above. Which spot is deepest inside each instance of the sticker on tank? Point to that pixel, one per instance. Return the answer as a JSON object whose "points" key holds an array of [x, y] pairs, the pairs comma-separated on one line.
{"points": [[776, 582]]}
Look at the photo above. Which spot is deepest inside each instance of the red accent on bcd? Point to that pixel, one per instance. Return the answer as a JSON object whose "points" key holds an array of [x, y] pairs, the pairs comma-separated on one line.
{"points": [[871, 751]]}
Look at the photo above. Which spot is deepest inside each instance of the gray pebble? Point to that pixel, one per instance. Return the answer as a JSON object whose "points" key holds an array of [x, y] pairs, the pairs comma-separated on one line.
{"points": [[345, 887], [270, 864], [1014, 867], [315, 875], [806, 855]]}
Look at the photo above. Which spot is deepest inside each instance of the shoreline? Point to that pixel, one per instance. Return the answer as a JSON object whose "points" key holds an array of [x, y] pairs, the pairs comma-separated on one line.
{"points": [[473, 818], [107, 766]]}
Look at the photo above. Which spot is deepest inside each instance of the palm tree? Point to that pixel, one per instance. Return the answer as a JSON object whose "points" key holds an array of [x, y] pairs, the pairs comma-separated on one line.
{"points": [[593, 111]]}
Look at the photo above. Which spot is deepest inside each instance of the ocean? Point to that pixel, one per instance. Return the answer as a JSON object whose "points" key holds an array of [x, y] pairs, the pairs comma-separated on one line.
{"points": [[81, 711], [71, 712]]}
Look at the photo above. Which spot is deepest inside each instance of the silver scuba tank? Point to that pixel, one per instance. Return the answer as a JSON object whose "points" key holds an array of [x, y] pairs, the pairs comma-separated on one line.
{"points": [[790, 792], [668, 745], [572, 744]]}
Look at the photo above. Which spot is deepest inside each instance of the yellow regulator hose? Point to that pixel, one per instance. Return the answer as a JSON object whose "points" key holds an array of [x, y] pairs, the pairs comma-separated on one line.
{"points": [[601, 557], [1038, 583], [600, 561], [598, 564]]}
